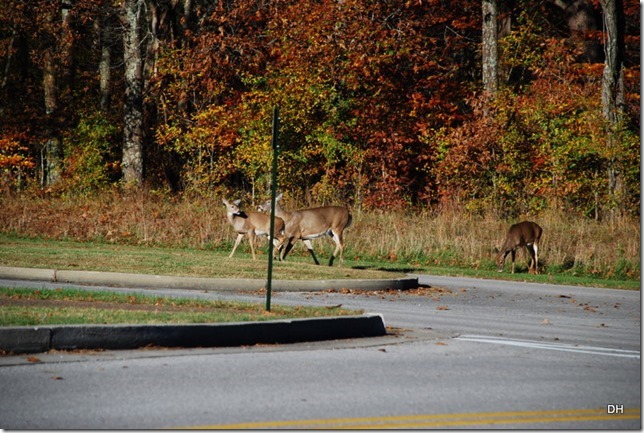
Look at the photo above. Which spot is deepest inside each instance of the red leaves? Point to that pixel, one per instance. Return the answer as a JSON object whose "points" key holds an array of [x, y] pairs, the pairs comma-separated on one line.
{"points": [[391, 82], [15, 159]]}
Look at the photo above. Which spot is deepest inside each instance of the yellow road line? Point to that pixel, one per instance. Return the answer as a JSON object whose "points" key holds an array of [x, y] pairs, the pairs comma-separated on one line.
{"points": [[441, 420]]}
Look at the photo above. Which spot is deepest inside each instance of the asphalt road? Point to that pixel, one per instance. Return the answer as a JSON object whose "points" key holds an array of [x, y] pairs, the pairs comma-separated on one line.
{"points": [[463, 353]]}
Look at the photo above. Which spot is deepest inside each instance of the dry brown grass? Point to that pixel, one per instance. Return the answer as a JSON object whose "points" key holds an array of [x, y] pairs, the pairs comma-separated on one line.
{"points": [[144, 218], [451, 237]]}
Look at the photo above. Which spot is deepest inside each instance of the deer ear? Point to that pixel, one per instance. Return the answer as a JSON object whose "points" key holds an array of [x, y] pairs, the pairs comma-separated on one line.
{"points": [[224, 201], [237, 202], [278, 197]]}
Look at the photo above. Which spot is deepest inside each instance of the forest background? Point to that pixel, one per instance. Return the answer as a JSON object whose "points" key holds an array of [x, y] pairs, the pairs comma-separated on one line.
{"points": [[463, 116]]}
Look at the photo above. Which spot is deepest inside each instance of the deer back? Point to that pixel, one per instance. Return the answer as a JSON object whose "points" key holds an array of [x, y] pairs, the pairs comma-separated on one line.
{"points": [[262, 223], [310, 222], [522, 234], [320, 220]]}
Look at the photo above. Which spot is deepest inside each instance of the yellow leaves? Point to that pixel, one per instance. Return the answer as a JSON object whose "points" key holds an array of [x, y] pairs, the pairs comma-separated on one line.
{"points": [[167, 134], [15, 161], [253, 158], [12, 155]]}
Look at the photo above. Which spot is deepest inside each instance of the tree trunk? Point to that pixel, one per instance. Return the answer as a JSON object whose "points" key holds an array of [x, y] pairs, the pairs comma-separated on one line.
{"points": [[490, 48], [51, 155], [104, 33], [7, 65], [614, 51], [104, 69], [612, 94], [580, 17], [132, 161], [187, 11], [504, 28], [54, 79]]}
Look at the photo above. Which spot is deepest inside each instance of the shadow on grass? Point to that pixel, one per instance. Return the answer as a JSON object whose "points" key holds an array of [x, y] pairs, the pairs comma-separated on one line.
{"points": [[385, 269]]}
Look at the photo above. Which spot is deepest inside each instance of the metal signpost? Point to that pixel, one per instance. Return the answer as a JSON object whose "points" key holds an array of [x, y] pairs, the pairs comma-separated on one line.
{"points": [[269, 281]]}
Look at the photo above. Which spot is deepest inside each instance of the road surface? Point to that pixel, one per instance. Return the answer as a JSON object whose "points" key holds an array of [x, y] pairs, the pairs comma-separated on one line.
{"points": [[462, 353]]}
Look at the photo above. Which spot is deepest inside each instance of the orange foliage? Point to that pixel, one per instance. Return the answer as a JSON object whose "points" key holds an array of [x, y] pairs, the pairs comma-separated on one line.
{"points": [[379, 100]]}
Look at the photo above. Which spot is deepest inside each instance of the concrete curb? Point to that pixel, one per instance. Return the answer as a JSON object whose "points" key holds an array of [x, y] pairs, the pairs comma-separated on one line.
{"points": [[120, 337], [114, 337], [224, 284]]}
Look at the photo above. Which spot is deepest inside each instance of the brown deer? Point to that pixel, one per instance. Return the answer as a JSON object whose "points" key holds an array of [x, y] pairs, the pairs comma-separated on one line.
{"points": [[252, 224], [307, 224], [525, 234]]}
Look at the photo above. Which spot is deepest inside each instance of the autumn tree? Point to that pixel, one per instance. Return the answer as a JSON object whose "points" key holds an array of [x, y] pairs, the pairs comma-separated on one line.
{"points": [[582, 21], [545, 146], [381, 102], [359, 84], [41, 36], [134, 22], [490, 55], [108, 37], [612, 91]]}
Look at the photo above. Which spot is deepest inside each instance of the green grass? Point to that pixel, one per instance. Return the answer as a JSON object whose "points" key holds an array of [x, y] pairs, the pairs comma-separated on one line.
{"points": [[71, 306], [56, 254], [547, 277], [179, 237], [91, 256], [159, 233]]}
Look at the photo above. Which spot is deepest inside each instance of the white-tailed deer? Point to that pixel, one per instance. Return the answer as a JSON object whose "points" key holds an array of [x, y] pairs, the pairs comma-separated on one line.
{"points": [[252, 224], [307, 224], [525, 234]]}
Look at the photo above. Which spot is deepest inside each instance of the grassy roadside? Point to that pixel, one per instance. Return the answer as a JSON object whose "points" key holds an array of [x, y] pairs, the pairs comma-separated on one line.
{"points": [[172, 236], [55, 254], [27, 307], [449, 236], [71, 255]]}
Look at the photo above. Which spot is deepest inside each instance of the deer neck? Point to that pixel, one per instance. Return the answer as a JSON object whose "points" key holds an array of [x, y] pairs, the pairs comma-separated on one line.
{"points": [[232, 217], [281, 212]]}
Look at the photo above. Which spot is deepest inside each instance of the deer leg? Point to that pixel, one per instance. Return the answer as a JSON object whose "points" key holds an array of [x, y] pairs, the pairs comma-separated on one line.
{"points": [[287, 249], [530, 257], [237, 241], [251, 239], [339, 246], [308, 244], [532, 249], [280, 251], [277, 247], [536, 257], [278, 243], [514, 253]]}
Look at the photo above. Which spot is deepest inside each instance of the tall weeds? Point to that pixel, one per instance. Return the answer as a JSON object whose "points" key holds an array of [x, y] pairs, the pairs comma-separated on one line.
{"points": [[456, 238], [451, 237]]}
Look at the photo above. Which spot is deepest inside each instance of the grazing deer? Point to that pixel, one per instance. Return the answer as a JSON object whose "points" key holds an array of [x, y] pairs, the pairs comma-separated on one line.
{"points": [[524, 234], [307, 224], [253, 224]]}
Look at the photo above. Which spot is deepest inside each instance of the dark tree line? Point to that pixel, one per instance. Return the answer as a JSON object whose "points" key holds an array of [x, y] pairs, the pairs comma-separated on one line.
{"points": [[515, 105]]}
